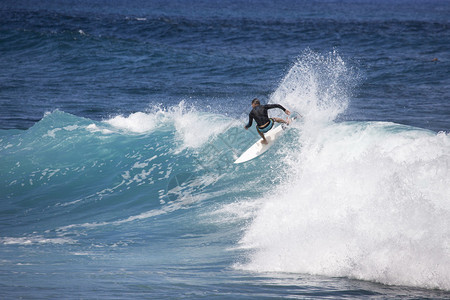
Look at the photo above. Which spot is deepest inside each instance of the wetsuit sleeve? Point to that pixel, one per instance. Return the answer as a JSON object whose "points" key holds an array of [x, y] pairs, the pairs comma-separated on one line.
{"points": [[269, 106], [250, 121]]}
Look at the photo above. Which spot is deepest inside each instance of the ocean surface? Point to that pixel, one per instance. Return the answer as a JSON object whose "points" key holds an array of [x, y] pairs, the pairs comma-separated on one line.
{"points": [[120, 121]]}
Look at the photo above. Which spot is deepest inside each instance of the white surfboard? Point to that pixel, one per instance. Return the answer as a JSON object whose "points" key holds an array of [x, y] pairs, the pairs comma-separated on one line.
{"points": [[259, 148]]}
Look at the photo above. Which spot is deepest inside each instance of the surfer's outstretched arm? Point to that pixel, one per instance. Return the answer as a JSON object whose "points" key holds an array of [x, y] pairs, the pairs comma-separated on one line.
{"points": [[270, 106], [250, 121]]}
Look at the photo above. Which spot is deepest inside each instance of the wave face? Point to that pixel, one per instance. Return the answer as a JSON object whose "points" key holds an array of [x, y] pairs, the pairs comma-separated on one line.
{"points": [[153, 197], [69, 165]]}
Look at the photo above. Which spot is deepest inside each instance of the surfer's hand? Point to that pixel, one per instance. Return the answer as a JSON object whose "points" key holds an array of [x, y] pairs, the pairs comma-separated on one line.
{"points": [[287, 112], [245, 127]]}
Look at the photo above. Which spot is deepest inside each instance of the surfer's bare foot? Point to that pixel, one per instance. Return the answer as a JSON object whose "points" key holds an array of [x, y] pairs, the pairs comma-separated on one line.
{"points": [[264, 142]]}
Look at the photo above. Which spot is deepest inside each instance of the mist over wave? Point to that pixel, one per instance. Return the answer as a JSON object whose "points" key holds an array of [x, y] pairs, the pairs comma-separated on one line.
{"points": [[365, 200], [318, 86]]}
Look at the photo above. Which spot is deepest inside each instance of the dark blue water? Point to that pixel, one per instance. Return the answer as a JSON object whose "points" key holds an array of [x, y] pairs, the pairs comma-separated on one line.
{"points": [[120, 122]]}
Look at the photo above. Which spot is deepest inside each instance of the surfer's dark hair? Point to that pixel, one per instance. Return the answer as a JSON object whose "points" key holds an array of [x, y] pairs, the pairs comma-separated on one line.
{"points": [[256, 101]]}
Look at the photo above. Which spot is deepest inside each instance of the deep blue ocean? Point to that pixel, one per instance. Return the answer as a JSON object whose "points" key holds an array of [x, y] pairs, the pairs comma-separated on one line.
{"points": [[120, 121]]}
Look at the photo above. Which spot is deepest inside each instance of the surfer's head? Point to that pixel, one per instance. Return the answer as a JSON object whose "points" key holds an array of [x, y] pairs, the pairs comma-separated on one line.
{"points": [[255, 102]]}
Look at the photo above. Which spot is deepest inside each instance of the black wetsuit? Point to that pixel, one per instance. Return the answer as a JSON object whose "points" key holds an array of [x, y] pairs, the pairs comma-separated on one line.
{"points": [[259, 114]]}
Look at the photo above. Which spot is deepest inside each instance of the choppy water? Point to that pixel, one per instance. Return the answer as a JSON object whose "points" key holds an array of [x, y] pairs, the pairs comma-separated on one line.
{"points": [[120, 122]]}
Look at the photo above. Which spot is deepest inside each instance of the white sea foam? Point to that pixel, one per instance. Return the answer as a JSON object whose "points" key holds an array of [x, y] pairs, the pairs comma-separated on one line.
{"points": [[138, 122], [94, 128], [33, 240], [318, 86], [51, 133], [361, 200], [193, 128], [362, 205]]}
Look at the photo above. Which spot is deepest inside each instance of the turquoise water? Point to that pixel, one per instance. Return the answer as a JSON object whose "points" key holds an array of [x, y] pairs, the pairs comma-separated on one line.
{"points": [[120, 124]]}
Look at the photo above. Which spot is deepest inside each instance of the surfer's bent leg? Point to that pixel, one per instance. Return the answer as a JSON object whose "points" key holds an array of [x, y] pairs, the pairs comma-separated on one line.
{"points": [[265, 129], [278, 120], [264, 141]]}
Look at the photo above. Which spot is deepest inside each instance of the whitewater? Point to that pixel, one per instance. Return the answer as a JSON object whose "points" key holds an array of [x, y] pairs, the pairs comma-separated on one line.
{"points": [[366, 200], [152, 199]]}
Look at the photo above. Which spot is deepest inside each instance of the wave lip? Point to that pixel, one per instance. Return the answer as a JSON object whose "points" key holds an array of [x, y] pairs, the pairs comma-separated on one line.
{"points": [[193, 128]]}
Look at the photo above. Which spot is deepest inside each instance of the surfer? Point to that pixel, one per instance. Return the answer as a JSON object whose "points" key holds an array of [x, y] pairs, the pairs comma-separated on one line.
{"points": [[263, 122]]}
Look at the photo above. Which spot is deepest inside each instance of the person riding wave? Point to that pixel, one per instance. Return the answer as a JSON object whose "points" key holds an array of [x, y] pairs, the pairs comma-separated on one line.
{"points": [[261, 117]]}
